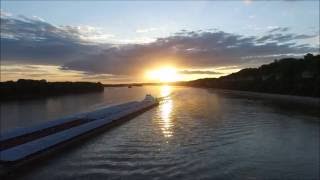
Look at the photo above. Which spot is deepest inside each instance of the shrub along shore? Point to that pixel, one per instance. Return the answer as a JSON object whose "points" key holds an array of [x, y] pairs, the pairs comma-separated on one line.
{"points": [[289, 76], [26, 89]]}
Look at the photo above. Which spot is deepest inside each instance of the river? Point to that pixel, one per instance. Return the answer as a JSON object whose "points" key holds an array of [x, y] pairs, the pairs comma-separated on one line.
{"points": [[193, 134]]}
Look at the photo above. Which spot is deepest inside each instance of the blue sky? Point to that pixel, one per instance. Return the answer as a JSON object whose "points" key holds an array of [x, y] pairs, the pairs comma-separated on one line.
{"points": [[91, 38], [124, 18]]}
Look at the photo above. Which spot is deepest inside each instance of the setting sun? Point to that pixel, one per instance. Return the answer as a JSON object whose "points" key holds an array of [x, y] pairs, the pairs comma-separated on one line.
{"points": [[165, 74]]}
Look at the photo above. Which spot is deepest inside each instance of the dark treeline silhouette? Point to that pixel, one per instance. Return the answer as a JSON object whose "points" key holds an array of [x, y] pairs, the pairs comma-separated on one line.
{"points": [[25, 88], [286, 76], [123, 85], [134, 84]]}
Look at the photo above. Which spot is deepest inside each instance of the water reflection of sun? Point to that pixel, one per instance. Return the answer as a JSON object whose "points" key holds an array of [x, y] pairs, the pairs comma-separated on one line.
{"points": [[166, 112]]}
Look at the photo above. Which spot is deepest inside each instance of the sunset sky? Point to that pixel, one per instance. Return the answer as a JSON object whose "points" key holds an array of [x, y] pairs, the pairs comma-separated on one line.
{"points": [[133, 41]]}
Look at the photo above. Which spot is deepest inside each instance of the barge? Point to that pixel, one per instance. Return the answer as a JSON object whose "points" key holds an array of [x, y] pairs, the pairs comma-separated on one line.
{"points": [[23, 145]]}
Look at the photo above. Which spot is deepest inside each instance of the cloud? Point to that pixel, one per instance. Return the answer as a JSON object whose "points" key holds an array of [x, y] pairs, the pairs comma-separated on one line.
{"points": [[189, 50], [247, 2], [146, 30], [34, 41], [278, 29], [4, 14], [281, 38], [88, 33]]}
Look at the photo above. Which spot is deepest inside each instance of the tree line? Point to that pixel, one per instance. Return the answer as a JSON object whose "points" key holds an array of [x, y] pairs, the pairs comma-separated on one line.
{"points": [[26, 88], [290, 76]]}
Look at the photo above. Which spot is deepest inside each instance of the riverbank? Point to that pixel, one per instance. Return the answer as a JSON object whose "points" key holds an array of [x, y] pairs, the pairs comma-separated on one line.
{"points": [[312, 101], [28, 89], [288, 76]]}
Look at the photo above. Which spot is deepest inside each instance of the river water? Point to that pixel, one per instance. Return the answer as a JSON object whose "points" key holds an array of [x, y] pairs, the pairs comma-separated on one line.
{"points": [[193, 134]]}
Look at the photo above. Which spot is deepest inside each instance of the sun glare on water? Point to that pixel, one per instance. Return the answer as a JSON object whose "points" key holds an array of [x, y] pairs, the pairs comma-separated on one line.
{"points": [[165, 74]]}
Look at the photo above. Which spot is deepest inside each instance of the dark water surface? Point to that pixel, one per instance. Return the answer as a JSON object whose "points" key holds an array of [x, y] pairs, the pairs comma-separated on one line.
{"points": [[193, 134]]}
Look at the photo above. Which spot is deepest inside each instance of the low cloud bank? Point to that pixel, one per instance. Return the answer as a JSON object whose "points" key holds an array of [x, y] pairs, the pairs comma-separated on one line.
{"points": [[33, 41]]}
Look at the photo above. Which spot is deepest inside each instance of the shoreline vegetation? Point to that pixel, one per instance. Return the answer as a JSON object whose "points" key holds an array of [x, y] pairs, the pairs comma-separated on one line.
{"points": [[28, 89], [289, 76]]}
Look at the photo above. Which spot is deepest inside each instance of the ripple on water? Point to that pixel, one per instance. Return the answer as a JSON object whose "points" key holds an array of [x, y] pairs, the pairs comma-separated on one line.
{"points": [[197, 135]]}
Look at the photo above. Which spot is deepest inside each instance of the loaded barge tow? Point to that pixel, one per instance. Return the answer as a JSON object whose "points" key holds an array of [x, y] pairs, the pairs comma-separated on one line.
{"points": [[24, 145]]}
